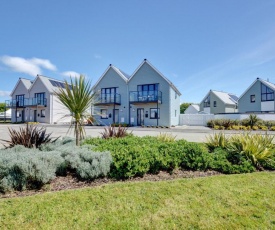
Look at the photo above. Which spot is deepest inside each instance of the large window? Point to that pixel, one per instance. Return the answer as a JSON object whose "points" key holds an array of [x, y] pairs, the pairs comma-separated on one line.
{"points": [[148, 92], [19, 100], [40, 98], [206, 102], [103, 113], [108, 94], [267, 93], [154, 114]]}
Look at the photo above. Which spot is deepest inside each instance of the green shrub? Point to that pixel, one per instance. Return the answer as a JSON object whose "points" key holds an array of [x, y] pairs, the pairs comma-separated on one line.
{"points": [[135, 156], [224, 162], [272, 128], [263, 127], [195, 157]]}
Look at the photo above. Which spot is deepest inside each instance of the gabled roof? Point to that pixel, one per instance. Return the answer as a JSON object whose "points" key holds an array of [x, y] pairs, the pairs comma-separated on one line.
{"points": [[168, 81], [26, 82], [226, 98], [195, 106], [267, 83], [48, 83], [122, 74]]}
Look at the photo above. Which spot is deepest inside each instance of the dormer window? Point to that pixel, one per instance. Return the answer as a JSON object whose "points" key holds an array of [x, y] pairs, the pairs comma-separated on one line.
{"points": [[267, 93], [207, 102]]}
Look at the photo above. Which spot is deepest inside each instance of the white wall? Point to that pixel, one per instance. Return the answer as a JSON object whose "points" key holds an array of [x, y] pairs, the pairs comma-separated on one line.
{"points": [[267, 106], [195, 119], [202, 119]]}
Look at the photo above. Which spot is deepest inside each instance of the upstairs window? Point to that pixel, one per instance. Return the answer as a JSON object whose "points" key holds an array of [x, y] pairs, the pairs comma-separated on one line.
{"points": [[19, 100], [206, 102], [267, 93], [252, 98], [215, 103], [40, 98]]}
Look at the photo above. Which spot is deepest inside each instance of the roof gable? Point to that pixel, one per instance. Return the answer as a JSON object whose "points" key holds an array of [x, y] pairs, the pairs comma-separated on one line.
{"points": [[158, 72], [25, 82], [122, 74], [267, 83]]}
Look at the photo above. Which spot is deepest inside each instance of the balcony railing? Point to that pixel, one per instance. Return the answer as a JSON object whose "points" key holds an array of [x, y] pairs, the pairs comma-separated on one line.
{"points": [[108, 98], [145, 96], [26, 102]]}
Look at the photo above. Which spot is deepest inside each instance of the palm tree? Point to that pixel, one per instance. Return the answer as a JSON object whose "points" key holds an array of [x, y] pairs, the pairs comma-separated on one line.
{"points": [[78, 97]]}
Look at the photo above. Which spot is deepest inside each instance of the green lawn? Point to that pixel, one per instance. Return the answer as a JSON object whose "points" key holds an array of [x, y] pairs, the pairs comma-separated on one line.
{"points": [[244, 201]]}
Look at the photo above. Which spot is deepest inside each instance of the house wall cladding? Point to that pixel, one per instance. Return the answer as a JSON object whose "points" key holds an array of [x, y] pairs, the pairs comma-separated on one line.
{"points": [[112, 79], [244, 102], [142, 77]]}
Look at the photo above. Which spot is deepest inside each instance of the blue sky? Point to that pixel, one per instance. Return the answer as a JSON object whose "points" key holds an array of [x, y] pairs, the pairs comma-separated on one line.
{"points": [[198, 45]]}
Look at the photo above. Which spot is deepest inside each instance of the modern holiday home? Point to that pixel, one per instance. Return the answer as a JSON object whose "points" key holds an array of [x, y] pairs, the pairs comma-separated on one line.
{"points": [[216, 102], [34, 101], [145, 98], [258, 98]]}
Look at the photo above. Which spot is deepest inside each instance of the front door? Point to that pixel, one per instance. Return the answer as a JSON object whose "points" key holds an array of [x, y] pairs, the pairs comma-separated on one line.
{"points": [[116, 116], [35, 115], [140, 117]]}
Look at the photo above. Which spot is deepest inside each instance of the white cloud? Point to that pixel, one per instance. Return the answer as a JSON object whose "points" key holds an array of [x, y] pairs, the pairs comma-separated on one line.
{"points": [[31, 66], [4, 93], [44, 63], [70, 74]]}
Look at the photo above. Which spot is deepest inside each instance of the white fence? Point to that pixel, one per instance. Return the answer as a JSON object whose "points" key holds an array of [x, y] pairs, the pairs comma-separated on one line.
{"points": [[201, 119]]}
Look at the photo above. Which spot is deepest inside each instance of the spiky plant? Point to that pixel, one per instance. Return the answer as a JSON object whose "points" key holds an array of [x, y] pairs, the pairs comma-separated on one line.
{"points": [[256, 147], [253, 119], [216, 140], [112, 131], [30, 136], [78, 97], [166, 137]]}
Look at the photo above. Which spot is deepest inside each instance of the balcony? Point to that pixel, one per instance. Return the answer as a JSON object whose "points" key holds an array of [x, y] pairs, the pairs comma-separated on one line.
{"points": [[14, 103], [27, 102], [137, 97], [108, 99]]}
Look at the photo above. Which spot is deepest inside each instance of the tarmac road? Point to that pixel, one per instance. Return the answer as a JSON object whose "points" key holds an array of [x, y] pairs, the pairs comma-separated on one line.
{"points": [[189, 133]]}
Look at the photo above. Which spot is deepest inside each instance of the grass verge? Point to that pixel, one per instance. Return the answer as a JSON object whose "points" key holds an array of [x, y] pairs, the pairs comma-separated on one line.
{"points": [[220, 202]]}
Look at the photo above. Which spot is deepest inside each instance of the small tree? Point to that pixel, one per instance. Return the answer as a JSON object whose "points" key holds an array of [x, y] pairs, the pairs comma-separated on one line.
{"points": [[2, 107], [78, 98]]}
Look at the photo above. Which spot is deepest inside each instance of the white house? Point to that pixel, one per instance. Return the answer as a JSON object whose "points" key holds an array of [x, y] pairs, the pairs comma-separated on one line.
{"points": [[219, 102], [192, 109], [34, 101], [146, 97], [258, 98]]}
